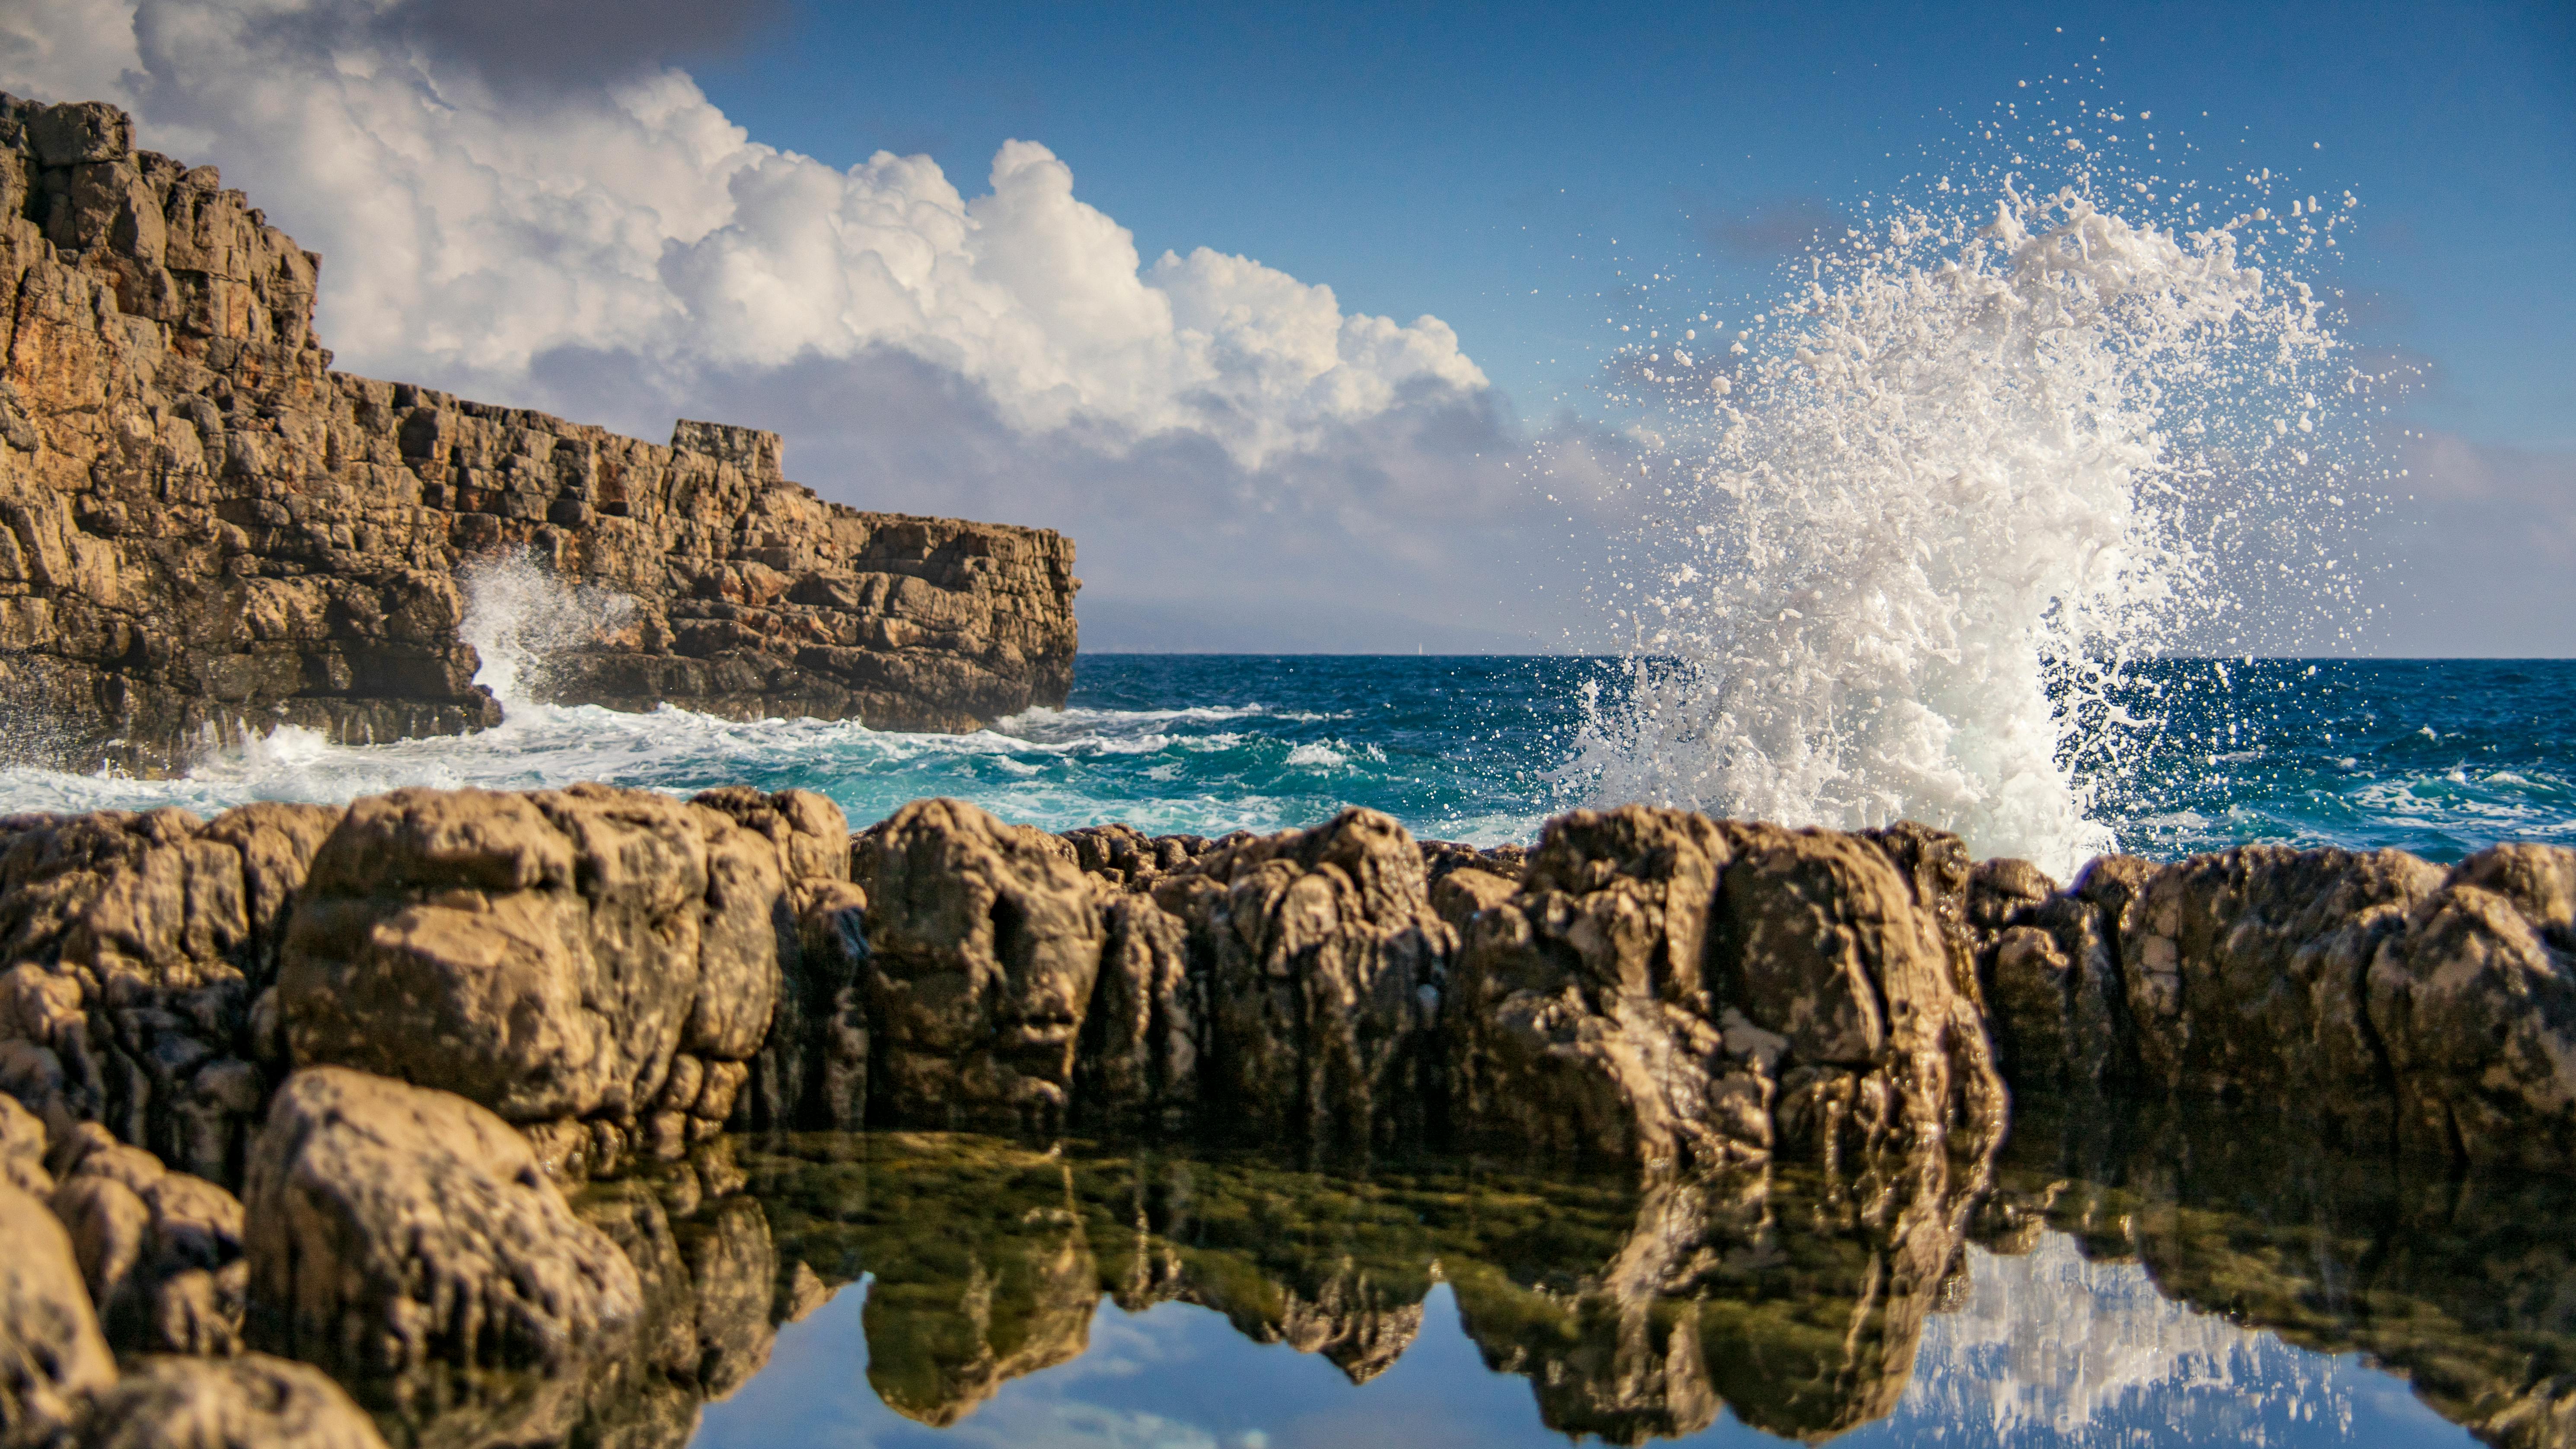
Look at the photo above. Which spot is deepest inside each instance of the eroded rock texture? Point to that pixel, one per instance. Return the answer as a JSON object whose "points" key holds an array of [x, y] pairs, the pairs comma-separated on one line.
{"points": [[205, 531], [2394, 1002], [134, 952], [598, 965], [52, 1356], [161, 1251], [1673, 989], [394, 1229]]}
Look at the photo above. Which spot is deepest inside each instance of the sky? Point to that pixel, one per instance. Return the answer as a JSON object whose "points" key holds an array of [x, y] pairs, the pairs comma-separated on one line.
{"points": [[1301, 320]]}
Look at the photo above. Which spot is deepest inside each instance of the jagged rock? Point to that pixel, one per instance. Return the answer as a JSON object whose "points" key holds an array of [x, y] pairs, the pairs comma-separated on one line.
{"points": [[2475, 1006], [1666, 988], [138, 946], [1325, 966], [1145, 1032], [247, 1402], [811, 1068], [51, 1353], [1440, 857], [205, 532], [1579, 1010], [2244, 970], [393, 1228], [984, 944], [161, 1251], [580, 953], [1130, 859]]}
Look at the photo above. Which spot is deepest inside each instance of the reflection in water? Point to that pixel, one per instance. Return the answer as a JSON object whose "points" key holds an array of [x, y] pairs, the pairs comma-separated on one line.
{"points": [[2167, 1281]]}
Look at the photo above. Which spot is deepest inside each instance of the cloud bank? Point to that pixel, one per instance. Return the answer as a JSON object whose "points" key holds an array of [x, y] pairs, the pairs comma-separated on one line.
{"points": [[587, 232]]}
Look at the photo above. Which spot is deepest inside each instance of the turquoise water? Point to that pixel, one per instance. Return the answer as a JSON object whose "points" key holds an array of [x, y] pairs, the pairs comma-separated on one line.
{"points": [[2439, 757]]}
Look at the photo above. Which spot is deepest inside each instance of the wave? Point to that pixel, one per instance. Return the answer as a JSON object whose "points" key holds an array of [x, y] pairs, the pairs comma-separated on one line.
{"points": [[1917, 541]]}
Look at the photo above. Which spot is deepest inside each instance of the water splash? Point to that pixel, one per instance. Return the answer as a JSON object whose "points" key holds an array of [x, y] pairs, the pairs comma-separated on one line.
{"points": [[518, 613], [1923, 529]]}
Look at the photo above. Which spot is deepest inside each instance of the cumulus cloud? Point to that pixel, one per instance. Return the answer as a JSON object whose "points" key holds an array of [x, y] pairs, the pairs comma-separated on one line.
{"points": [[590, 233]]}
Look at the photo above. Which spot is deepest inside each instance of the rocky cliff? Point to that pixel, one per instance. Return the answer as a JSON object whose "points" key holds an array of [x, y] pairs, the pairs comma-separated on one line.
{"points": [[204, 530]]}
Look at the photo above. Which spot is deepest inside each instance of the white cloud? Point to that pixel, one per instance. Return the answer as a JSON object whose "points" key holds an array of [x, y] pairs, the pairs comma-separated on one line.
{"points": [[469, 230]]}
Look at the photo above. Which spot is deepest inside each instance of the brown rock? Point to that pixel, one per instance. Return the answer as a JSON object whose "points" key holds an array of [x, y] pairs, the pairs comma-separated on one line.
{"points": [[984, 943], [51, 1354], [1145, 1031], [810, 1065], [393, 1227], [22, 1150], [205, 532], [161, 1251], [550, 955], [2475, 1004], [138, 947], [1667, 988], [1325, 968], [247, 1402]]}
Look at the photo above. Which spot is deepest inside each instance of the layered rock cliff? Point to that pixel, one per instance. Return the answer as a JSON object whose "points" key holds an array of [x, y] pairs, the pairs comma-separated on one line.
{"points": [[206, 531]]}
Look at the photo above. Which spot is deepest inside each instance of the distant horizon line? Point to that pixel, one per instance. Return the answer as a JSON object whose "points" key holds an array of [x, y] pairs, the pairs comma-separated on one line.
{"points": [[1573, 654]]}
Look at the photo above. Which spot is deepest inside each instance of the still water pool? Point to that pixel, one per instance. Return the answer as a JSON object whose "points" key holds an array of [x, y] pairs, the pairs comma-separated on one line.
{"points": [[2161, 1280]]}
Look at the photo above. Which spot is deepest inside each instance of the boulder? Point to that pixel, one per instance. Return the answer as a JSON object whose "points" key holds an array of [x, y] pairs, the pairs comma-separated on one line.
{"points": [[22, 1150], [565, 954], [1324, 968], [2475, 1005], [1145, 1031], [161, 1251], [393, 1227], [247, 1402], [984, 944], [1579, 1014], [51, 1353], [1668, 989], [137, 948], [811, 1065]]}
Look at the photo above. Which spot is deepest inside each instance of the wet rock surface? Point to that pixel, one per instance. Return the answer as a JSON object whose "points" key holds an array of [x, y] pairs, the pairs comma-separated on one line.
{"points": [[206, 532]]}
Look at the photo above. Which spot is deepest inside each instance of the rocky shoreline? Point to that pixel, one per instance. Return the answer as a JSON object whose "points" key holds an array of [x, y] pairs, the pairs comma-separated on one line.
{"points": [[348, 1087], [205, 532]]}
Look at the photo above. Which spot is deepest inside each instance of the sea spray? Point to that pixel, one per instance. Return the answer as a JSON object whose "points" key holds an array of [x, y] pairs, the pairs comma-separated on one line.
{"points": [[518, 612], [1923, 531]]}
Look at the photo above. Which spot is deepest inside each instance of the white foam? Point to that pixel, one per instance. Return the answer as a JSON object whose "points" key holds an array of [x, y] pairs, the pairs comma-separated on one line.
{"points": [[1916, 545]]}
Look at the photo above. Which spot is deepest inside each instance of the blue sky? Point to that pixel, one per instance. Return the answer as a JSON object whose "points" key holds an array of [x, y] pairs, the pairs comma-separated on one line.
{"points": [[1295, 319], [1454, 161]]}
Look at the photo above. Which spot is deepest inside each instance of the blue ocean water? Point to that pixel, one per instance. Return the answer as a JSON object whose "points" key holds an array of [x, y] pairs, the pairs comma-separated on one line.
{"points": [[2439, 757]]}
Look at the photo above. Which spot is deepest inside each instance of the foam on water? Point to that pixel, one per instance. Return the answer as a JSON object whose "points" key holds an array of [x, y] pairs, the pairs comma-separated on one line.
{"points": [[1978, 468]]}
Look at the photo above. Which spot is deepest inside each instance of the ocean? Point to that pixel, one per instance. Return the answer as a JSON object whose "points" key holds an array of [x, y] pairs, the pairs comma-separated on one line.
{"points": [[2439, 757]]}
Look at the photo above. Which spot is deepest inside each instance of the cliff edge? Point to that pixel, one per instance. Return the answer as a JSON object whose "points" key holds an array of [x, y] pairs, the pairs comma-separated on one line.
{"points": [[206, 532]]}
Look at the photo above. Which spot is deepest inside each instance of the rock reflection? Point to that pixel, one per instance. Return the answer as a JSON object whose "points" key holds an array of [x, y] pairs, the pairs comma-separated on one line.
{"points": [[2463, 1285], [1794, 1300], [1635, 1311]]}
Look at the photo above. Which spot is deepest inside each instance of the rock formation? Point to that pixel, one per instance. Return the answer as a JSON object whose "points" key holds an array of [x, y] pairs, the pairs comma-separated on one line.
{"points": [[394, 1228], [2394, 1002], [410, 1031], [51, 1353], [205, 531]]}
